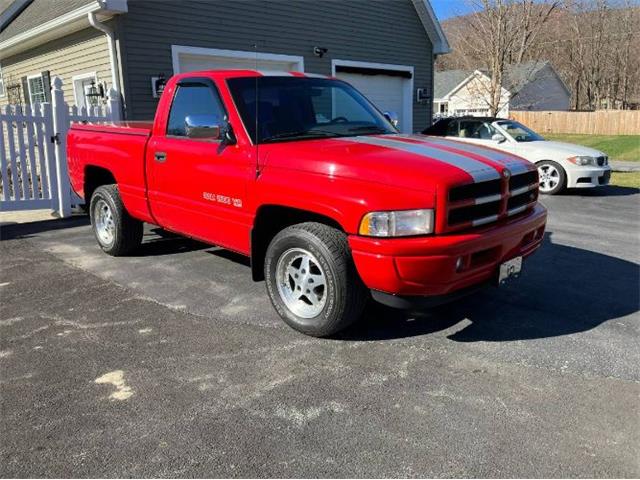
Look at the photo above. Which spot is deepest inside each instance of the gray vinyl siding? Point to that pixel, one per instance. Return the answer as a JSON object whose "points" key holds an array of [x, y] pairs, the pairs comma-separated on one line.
{"points": [[380, 31], [545, 92]]}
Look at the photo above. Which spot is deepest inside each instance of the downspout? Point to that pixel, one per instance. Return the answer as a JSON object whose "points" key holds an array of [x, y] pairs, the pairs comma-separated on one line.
{"points": [[108, 31]]}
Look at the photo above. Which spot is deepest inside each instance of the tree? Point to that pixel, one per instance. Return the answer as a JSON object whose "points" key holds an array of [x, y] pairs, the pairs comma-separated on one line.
{"points": [[592, 44], [499, 33]]}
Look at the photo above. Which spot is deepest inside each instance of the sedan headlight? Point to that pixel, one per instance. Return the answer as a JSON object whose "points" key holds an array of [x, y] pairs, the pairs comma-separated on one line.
{"points": [[401, 223], [582, 160]]}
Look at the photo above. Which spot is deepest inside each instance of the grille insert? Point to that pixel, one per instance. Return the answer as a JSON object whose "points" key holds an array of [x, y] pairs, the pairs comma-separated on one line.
{"points": [[474, 190], [480, 203], [473, 213]]}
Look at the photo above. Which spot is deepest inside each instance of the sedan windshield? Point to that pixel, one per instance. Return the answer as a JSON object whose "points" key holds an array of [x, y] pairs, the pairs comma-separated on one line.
{"points": [[278, 109], [519, 132]]}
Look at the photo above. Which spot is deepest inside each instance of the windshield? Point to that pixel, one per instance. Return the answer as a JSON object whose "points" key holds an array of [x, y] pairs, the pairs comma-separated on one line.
{"points": [[298, 108], [519, 132]]}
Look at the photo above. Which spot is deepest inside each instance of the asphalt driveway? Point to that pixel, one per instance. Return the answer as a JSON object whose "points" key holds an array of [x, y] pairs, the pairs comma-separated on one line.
{"points": [[172, 363]]}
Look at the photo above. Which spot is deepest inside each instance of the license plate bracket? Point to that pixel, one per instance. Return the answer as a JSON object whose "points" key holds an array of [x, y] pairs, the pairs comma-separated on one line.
{"points": [[509, 270]]}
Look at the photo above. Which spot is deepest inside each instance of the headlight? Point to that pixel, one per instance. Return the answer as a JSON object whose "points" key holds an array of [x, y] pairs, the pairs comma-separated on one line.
{"points": [[581, 160], [401, 223]]}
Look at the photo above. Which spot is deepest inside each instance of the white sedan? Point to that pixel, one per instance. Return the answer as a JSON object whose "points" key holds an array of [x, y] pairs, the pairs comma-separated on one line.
{"points": [[560, 165]]}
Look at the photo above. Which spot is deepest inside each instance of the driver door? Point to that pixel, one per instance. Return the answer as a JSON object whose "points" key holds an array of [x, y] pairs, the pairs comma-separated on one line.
{"points": [[197, 186]]}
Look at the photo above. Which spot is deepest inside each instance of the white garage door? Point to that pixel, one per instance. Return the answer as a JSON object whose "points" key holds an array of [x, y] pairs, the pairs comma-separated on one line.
{"points": [[189, 59], [385, 92], [190, 63]]}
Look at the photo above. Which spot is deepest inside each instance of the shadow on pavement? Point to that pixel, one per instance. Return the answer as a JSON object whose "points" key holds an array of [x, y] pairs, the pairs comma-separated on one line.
{"points": [[607, 191], [11, 231], [563, 290], [160, 242]]}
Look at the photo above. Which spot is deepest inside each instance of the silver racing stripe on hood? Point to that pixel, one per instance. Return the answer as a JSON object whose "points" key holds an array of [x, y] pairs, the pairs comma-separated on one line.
{"points": [[274, 73], [480, 172], [515, 165]]}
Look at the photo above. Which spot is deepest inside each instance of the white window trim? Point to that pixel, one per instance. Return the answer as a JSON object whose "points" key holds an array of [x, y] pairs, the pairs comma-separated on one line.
{"points": [[3, 92], [31, 77], [177, 50], [407, 93], [82, 76]]}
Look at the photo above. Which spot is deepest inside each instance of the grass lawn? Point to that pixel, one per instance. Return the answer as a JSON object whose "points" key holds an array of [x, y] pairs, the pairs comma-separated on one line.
{"points": [[618, 147], [626, 179]]}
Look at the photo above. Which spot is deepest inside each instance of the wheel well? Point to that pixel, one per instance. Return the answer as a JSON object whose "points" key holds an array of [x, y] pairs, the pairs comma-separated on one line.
{"points": [[269, 221], [95, 177]]}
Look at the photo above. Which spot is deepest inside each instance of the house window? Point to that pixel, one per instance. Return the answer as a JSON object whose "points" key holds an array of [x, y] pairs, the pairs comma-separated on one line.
{"points": [[37, 93]]}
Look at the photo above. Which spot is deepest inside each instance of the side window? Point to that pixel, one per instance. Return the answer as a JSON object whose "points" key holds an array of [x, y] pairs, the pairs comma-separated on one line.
{"points": [[193, 99], [486, 131], [469, 128]]}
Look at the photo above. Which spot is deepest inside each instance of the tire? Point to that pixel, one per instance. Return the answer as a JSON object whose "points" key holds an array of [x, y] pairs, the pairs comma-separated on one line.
{"points": [[555, 178], [115, 230], [315, 310]]}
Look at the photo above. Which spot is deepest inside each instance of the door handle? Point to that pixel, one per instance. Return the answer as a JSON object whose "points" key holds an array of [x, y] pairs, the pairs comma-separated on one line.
{"points": [[160, 157]]}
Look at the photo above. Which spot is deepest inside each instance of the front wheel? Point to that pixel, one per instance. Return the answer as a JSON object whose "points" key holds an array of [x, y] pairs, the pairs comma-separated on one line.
{"points": [[552, 177], [311, 279]]}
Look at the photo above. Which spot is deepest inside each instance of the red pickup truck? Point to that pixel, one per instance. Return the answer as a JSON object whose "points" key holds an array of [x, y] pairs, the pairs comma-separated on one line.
{"points": [[306, 177]]}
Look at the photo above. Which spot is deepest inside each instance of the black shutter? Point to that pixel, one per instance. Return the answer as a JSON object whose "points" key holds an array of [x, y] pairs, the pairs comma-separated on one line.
{"points": [[25, 90], [46, 82]]}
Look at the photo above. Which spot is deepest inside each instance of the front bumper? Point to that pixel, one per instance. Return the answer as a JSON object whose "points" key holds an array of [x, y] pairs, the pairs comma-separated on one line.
{"points": [[426, 266], [588, 177]]}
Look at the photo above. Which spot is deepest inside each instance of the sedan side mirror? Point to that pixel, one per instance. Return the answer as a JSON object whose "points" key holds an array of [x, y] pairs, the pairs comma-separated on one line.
{"points": [[203, 126], [392, 117], [498, 137]]}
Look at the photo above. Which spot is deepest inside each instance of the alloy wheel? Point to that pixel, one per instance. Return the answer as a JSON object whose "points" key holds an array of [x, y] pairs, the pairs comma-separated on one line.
{"points": [[301, 282]]}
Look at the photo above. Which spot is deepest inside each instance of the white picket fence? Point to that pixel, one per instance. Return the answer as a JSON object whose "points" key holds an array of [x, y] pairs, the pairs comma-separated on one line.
{"points": [[33, 151]]}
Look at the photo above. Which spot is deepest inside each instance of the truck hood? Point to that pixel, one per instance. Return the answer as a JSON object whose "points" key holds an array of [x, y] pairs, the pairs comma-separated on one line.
{"points": [[560, 149], [417, 162]]}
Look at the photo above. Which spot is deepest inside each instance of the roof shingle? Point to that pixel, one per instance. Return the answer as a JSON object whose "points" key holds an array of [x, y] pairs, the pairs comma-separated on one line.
{"points": [[37, 13]]}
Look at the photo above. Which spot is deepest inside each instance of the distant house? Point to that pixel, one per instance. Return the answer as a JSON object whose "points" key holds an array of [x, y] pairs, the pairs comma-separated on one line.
{"points": [[526, 86], [385, 49]]}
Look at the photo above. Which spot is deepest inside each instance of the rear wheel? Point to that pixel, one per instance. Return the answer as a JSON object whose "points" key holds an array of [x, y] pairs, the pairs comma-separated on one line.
{"points": [[115, 230], [552, 177], [311, 279]]}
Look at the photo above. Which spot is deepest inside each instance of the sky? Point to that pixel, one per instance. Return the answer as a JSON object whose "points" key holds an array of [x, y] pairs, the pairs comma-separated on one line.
{"points": [[449, 8]]}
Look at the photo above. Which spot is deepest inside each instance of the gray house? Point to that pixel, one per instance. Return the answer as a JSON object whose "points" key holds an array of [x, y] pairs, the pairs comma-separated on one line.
{"points": [[384, 48], [526, 86]]}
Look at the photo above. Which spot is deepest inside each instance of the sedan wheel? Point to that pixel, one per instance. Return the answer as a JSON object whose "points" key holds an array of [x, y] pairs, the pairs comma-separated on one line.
{"points": [[552, 177]]}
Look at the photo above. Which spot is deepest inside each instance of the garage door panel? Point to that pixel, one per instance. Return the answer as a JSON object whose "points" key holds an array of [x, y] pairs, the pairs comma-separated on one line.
{"points": [[191, 63], [385, 91]]}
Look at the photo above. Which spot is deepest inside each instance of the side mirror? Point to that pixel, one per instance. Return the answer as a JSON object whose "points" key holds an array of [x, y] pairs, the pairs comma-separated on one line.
{"points": [[203, 126], [392, 117], [498, 137]]}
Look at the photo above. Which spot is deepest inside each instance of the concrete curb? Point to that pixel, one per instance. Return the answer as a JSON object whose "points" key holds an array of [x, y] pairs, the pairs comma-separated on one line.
{"points": [[625, 169], [619, 166]]}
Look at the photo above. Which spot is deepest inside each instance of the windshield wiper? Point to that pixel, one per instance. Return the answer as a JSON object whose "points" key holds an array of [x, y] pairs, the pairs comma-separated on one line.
{"points": [[300, 134], [373, 129]]}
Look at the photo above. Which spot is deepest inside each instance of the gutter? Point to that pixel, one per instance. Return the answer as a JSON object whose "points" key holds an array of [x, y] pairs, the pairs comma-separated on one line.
{"points": [[69, 22], [113, 55]]}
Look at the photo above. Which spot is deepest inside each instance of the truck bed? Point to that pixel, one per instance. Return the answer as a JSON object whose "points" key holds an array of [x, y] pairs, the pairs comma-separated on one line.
{"points": [[117, 148], [124, 128]]}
